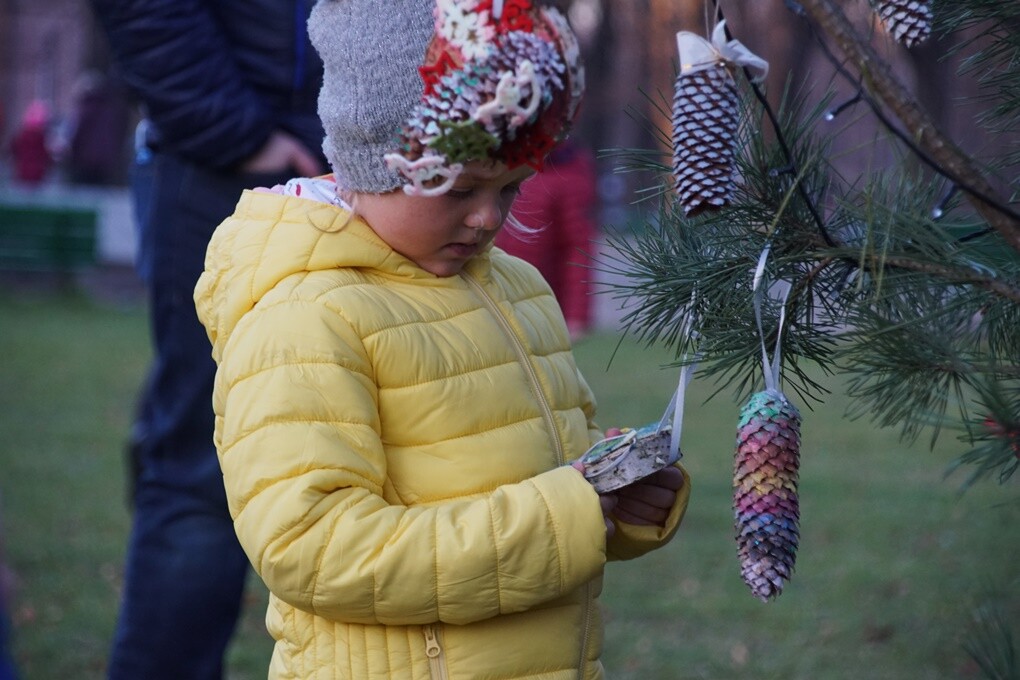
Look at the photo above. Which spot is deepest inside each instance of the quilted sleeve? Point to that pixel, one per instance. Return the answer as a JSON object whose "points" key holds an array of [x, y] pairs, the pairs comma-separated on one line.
{"points": [[304, 468]]}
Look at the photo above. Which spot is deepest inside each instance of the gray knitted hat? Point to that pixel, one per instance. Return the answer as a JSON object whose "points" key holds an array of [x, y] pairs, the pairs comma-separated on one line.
{"points": [[413, 89], [371, 51]]}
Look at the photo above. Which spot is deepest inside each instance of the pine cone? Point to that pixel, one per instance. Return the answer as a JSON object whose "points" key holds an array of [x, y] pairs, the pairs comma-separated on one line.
{"points": [[909, 21], [765, 505], [705, 118]]}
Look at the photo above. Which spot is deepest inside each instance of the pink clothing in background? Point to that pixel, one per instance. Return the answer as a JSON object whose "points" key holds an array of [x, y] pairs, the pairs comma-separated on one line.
{"points": [[559, 202], [29, 148]]}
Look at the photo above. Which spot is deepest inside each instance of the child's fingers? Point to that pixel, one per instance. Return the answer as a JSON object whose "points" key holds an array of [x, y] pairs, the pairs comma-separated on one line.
{"points": [[608, 501], [649, 500], [636, 512], [669, 478], [656, 496]]}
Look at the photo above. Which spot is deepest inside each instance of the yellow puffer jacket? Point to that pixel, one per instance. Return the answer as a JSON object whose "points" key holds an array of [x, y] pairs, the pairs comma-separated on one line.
{"points": [[393, 448]]}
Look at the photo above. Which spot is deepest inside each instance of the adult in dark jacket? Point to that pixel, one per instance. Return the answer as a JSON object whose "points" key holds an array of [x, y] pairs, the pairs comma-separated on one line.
{"points": [[229, 91]]}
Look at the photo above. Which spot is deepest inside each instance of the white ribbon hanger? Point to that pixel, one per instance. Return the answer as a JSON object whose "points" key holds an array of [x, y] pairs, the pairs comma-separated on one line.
{"points": [[698, 54], [770, 368]]}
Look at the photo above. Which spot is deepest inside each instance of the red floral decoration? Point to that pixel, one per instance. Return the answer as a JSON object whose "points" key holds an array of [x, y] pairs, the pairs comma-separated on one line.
{"points": [[436, 68], [516, 15], [529, 149]]}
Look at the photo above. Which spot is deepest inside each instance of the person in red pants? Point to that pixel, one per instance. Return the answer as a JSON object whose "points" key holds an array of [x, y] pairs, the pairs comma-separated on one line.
{"points": [[557, 206]]}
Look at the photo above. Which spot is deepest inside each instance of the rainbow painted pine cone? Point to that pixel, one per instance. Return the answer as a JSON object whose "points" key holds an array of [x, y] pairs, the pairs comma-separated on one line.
{"points": [[765, 505]]}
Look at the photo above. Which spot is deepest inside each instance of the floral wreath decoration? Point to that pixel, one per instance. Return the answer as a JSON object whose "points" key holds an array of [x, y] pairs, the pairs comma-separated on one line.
{"points": [[502, 80]]}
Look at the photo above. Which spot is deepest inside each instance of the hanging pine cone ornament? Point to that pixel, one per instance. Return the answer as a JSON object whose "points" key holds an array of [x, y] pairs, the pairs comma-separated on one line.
{"points": [[705, 118], [706, 113], [765, 505], [908, 21]]}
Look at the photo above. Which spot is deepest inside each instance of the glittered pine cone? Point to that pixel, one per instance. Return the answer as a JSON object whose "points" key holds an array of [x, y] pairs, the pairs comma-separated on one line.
{"points": [[908, 21], [765, 506], [705, 118]]}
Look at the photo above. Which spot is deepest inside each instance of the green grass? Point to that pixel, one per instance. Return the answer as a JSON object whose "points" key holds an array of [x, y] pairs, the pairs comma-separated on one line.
{"points": [[893, 561]]}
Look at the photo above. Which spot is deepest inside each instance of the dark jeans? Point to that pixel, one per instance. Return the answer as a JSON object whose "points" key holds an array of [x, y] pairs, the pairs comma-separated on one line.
{"points": [[185, 571]]}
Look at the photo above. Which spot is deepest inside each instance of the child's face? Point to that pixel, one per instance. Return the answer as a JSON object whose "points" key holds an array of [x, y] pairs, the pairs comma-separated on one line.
{"points": [[441, 233]]}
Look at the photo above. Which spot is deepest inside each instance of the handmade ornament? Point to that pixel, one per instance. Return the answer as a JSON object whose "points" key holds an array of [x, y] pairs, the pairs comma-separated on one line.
{"points": [[706, 114], [766, 509], [765, 503], [908, 21], [618, 461]]}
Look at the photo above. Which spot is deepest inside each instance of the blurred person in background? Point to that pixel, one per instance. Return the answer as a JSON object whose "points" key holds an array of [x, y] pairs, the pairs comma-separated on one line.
{"points": [[228, 89], [557, 205], [30, 149], [94, 143]]}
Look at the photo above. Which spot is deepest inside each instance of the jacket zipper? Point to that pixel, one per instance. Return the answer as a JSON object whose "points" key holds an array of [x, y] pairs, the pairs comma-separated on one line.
{"points": [[585, 632], [522, 359], [434, 652]]}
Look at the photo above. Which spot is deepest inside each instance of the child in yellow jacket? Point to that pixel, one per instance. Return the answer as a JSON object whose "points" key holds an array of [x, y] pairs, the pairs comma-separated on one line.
{"points": [[398, 411]]}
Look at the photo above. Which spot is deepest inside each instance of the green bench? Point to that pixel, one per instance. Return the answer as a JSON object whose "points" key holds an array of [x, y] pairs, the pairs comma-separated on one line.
{"points": [[47, 238]]}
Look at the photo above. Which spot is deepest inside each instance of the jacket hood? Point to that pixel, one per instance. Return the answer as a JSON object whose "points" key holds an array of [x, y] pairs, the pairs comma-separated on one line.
{"points": [[271, 237]]}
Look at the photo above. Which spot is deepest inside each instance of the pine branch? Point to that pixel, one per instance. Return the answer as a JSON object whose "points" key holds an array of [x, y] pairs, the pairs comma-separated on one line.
{"points": [[989, 641], [955, 275], [994, 432], [920, 311], [777, 129], [994, 62], [879, 81]]}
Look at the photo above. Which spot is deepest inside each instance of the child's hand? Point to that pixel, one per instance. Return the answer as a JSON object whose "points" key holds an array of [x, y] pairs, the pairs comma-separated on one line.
{"points": [[646, 501], [607, 501], [649, 500], [283, 152]]}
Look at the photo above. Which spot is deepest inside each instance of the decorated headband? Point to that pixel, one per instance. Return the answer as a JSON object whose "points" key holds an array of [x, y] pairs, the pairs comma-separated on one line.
{"points": [[503, 80]]}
